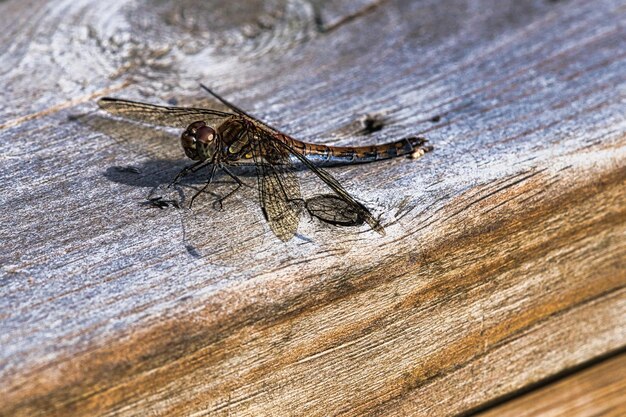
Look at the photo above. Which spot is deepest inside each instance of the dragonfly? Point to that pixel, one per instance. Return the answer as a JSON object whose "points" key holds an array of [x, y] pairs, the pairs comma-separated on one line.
{"points": [[224, 139]]}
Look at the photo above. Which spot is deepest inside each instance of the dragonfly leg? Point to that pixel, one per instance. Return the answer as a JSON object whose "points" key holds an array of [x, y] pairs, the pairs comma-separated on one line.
{"points": [[213, 169], [233, 176], [219, 202], [185, 171]]}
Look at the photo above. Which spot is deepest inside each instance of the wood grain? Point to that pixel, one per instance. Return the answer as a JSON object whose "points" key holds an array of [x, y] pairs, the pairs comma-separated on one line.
{"points": [[504, 259], [598, 390]]}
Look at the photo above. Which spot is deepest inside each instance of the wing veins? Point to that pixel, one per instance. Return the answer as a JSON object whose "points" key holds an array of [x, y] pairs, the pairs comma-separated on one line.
{"points": [[239, 110], [331, 182], [159, 115], [278, 186]]}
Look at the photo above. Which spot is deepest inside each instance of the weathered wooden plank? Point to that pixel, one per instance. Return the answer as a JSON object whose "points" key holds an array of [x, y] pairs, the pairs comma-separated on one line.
{"points": [[504, 256], [598, 390]]}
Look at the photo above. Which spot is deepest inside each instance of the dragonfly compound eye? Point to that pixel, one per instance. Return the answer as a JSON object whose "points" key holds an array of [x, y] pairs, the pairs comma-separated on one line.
{"points": [[198, 141], [189, 138], [205, 135], [193, 128]]}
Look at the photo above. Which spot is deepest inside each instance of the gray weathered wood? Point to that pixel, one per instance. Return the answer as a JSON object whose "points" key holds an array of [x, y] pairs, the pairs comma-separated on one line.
{"points": [[503, 261]]}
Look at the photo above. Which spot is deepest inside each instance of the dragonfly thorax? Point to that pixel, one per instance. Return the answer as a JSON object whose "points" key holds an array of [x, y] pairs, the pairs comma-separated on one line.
{"points": [[199, 141]]}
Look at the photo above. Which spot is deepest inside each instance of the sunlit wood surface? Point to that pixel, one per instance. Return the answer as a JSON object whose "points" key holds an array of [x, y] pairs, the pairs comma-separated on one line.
{"points": [[504, 258], [596, 391]]}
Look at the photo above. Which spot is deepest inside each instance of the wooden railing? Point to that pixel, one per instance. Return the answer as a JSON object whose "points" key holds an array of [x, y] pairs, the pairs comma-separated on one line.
{"points": [[503, 262]]}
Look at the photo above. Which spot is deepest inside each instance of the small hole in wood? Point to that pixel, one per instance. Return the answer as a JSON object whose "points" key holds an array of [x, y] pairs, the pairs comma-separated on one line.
{"points": [[372, 123]]}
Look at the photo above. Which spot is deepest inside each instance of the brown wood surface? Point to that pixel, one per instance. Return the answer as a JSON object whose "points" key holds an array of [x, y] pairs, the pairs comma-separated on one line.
{"points": [[599, 390], [504, 258]]}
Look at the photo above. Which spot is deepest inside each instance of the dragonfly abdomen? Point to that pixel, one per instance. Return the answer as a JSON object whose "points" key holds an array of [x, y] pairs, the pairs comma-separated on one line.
{"points": [[341, 155]]}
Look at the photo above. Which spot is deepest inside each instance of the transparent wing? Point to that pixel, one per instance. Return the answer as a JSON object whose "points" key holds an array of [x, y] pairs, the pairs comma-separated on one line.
{"points": [[238, 110], [160, 115], [332, 209], [279, 188], [357, 210]]}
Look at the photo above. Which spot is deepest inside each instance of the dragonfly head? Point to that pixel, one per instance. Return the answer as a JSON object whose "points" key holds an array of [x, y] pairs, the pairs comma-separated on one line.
{"points": [[199, 141]]}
